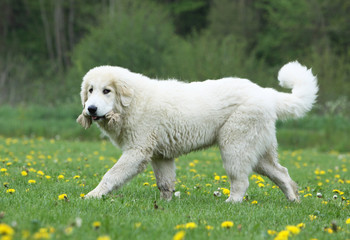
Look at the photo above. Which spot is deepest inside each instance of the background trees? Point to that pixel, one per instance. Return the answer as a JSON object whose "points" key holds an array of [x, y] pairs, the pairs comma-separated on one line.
{"points": [[47, 46]]}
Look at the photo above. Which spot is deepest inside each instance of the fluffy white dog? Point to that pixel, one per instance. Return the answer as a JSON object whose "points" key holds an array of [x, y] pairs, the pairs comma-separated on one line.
{"points": [[156, 121]]}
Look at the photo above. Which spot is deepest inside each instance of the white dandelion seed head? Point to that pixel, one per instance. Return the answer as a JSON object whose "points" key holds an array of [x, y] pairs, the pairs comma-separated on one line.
{"points": [[177, 194]]}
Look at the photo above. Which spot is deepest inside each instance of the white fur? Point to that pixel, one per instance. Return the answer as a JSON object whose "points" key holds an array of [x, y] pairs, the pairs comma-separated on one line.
{"points": [[161, 120]]}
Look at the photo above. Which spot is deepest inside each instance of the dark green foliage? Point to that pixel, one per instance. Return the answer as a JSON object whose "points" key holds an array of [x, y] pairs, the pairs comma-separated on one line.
{"points": [[47, 46]]}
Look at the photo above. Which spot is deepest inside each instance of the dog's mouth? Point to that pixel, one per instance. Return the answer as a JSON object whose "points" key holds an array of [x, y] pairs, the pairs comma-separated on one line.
{"points": [[96, 118]]}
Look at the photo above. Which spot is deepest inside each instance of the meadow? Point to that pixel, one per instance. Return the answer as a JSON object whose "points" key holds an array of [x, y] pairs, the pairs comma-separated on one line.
{"points": [[43, 182]]}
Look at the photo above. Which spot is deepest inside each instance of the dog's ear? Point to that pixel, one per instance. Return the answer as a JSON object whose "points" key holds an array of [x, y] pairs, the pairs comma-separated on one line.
{"points": [[84, 120], [124, 92], [83, 93]]}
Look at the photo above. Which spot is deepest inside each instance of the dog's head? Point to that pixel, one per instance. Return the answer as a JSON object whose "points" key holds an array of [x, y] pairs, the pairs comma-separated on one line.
{"points": [[104, 93]]}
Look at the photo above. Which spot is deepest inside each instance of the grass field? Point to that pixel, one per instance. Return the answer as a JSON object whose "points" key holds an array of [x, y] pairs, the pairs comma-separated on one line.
{"points": [[36, 172]]}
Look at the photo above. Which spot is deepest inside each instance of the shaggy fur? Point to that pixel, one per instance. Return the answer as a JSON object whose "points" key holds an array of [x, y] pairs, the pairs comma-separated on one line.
{"points": [[156, 121]]}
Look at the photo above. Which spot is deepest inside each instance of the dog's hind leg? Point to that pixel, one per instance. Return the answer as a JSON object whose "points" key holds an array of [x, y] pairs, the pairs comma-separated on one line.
{"points": [[268, 166], [237, 164], [164, 170], [240, 144]]}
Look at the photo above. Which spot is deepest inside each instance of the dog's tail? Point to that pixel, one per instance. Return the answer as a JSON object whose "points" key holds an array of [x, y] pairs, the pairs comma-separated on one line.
{"points": [[304, 91]]}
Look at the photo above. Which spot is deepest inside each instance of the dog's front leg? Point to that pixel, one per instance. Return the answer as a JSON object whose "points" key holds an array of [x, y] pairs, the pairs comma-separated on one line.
{"points": [[130, 164]]}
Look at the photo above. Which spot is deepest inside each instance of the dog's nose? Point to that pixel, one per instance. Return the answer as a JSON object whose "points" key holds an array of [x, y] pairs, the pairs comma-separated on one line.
{"points": [[92, 109]]}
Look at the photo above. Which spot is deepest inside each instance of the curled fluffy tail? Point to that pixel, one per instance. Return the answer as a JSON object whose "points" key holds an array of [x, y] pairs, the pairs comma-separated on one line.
{"points": [[304, 91]]}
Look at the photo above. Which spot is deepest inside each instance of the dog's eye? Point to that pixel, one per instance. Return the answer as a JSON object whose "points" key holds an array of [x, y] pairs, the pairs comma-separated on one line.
{"points": [[106, 91], [90, 90]]}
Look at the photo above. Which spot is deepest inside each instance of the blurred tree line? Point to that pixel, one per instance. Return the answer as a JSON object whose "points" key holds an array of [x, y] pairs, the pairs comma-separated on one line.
{"points": [[46, 46]]}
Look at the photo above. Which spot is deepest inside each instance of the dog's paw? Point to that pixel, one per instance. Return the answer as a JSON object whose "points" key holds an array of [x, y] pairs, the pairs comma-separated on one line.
{"points": [[232, 199], [93, 194]]}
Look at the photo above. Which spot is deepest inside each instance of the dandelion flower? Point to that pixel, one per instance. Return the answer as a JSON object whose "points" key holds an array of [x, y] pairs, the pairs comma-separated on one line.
{"points": [[104, 237], [190, 225], [76, 177], [312, 217], [138, 225], [68, 230], [271, 232], [62, 196], [179, 235], [41, 173], [347, 221], [282, 235], [11, 190], [96, 224], [293, 229], [225, 191], [227, 224], [6, 230], [217, 178], [146, 184], [254, 202], [301, 225], [180, 226], [31, 181], [60, 176], [3, 170], [24, 173], [177, 194], [208, 227]]}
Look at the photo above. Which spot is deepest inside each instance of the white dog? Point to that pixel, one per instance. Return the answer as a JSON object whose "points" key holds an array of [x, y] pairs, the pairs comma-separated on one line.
{"points": [[156, 121]]}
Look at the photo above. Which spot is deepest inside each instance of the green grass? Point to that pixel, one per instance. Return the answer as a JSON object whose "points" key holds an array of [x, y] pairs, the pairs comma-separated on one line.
{"points": [[136, 212]]}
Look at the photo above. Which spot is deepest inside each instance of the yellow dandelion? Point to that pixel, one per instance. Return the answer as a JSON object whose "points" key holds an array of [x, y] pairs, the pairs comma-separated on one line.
{"points": [[217, 178], [347, 221], [146, 184], [308, 195], [312, 217], [24, 173], [68, 230], [254, 202], [338, 191], [96, 224], [301, 225], [60, 176], [227, 224], [3, 170], [62, 197], [293, 229], [6, 230], [104, 237], [11, 190], [31, 181], [282, 235], [76, 177], [41, 173], [138, 225], [82, 195], [179, 235], [261, 185], [271, 232], [225, 191], [180, 226], [48, 177], [208, 227], [190, 225]]}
